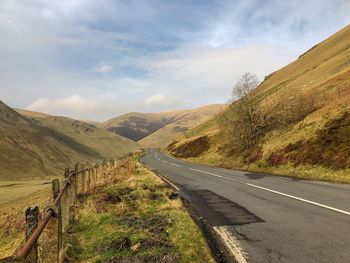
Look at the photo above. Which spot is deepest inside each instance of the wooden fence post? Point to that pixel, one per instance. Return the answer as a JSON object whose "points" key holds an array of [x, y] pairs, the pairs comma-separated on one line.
{"points": [[95, 175], [89, 177], [109, 172], [31, 215], [71, 187], [81, 176], [66, 202], [98, 175], [55, 192], [76, 170]]}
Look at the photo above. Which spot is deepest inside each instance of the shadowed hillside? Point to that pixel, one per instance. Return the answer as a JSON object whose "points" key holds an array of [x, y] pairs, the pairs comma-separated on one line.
{"points": [[29, 150], [107, 144], [157, 129], [311, 135]]}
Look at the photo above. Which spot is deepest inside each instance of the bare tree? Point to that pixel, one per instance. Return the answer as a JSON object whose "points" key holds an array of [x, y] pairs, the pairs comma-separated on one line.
{"points": [[244, 86], [249, 118], [246, 118]]}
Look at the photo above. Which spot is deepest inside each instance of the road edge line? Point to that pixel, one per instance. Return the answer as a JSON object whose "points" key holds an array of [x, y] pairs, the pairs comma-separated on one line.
{"points": [[220, 247]]}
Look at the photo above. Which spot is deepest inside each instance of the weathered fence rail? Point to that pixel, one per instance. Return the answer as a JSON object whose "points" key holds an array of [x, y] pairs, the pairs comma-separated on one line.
{"points": [[78, 181]]}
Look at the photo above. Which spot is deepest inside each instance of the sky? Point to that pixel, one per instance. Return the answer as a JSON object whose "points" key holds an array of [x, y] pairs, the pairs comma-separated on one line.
{"points": [[94, 60]]}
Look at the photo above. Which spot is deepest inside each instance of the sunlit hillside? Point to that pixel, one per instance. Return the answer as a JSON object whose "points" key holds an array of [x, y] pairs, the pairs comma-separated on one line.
{"points": [[180, 124], [315, 146], [107, 144], [158, 129], [31, 150]]}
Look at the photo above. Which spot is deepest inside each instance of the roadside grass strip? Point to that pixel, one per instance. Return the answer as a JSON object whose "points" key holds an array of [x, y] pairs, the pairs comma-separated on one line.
{"points": [[139, 219]]}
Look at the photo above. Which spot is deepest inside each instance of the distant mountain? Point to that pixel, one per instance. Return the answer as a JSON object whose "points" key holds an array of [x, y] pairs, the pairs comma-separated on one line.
{"points": [[158, 129], [40, 145], [180, 124]]}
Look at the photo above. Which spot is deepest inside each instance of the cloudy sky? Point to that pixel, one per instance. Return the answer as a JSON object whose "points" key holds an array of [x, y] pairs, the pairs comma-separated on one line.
{"points": [[91, 59]]}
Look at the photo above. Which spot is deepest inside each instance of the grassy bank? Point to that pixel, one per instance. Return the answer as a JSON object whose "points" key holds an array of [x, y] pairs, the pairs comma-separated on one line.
{"points": [[13, 190], [305, 172], [138, 219], [12, 220]]}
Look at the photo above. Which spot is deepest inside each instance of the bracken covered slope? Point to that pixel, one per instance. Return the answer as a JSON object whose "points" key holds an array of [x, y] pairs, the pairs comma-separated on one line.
{"points": [[317, 146]]}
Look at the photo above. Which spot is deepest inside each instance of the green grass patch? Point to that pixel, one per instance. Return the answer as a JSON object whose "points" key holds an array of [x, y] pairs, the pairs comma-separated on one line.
{"points": [[135, 221]]}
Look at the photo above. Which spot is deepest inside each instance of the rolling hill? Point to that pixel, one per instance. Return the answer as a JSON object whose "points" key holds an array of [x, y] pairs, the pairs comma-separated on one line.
{"points": [[107, 144], [314, 146], [29, 150], [180, 124], [158, 129]]}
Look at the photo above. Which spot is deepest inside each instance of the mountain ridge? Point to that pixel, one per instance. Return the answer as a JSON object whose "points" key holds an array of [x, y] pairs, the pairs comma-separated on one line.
{"points": [[139, 126]]}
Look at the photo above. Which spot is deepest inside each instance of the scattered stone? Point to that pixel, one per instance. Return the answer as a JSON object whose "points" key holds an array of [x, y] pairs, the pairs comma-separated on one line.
{"points": [[173, 195], [136, 247]]}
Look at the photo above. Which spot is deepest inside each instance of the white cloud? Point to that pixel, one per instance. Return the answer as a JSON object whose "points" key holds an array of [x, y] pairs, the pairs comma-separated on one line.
{"points": [[104, 69], [48, 50], [75, 106], [156, 99]]}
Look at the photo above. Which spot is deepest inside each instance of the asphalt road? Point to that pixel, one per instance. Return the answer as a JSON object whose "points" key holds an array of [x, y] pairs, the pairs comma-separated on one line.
{"points": [[273, 219]]}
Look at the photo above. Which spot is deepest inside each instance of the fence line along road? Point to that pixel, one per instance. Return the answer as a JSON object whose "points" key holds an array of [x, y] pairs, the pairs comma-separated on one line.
{"points": [[78, 181]]}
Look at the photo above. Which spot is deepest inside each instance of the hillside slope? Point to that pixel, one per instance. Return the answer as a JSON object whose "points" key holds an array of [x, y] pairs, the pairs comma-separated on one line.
{"points": [[29, 150], [314, 146], [107, 144], [137, 126], [157, 129], [180, 124]]}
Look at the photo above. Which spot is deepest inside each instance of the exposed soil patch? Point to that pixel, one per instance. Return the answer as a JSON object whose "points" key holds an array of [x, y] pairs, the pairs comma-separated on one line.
{"points": [[119, 245], [172, 145], [330, 148], [162, 258], [154, 224], [255, 155], [115, 196], [192, 148]]}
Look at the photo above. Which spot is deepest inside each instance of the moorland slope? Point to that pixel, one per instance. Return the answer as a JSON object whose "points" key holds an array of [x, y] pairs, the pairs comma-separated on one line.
{"points": [[31, 150], [317, 87], [158, 129]]}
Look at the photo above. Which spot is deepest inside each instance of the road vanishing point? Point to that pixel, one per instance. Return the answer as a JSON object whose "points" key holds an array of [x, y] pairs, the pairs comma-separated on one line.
{"points": [[265, 218]]}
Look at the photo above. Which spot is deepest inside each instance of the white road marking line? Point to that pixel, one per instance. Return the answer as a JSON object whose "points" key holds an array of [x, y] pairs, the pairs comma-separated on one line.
{"points": [[165, 179], [231, 243], [216, 175], [175, 164], [275, 192], [169, 182], [156, 155], [172, 157], [300, 199]]}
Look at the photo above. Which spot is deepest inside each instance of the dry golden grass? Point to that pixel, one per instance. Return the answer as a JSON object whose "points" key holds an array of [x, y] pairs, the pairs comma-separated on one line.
{"points": [[13, 190], [135, 220], [12, 219], [182, 122], [321, 75], [42, 146]]}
